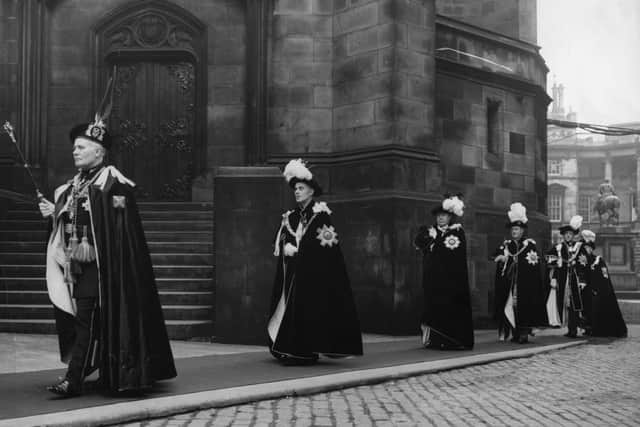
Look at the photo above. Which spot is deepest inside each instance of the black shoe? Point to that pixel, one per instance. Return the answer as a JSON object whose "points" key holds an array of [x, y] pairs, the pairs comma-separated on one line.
{"points": [[523, 340], [571, 335], [298, 361], [64, 388]]}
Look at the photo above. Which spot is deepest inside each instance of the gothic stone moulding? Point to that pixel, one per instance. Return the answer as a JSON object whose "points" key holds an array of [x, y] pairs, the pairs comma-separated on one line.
{"points": [[149, 26]]}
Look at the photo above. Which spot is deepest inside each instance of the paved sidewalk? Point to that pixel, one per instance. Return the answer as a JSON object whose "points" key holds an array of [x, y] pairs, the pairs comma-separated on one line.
{"points": [[219, 380], [597, 384]]}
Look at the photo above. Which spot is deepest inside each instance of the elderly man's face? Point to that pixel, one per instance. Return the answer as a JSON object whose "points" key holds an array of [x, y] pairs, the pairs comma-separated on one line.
{"points": [[517, 232], [443, 219], [568, 236], [86, 153], [302, 192]]}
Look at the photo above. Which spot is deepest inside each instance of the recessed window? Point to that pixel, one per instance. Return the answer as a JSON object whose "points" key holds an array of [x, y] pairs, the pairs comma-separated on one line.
{"points": [[585, 207], [554, 167], [555, 207], [493, 126], [516, 143], [617, 254]]}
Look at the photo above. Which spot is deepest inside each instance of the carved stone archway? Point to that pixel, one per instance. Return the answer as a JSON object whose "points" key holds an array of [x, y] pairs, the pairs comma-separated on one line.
{"points": [[160, 95]]}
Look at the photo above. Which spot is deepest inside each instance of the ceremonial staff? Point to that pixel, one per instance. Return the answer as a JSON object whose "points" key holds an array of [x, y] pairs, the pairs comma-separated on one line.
{"points": [[9, 130]]}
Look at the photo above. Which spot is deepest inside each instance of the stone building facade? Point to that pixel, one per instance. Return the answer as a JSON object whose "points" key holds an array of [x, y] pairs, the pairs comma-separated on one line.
{"points": [[393, 102], [578, 164]]}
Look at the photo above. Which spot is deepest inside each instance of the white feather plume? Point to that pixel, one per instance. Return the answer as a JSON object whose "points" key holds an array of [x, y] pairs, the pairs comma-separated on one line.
{"points": [[518, 212], [297, 169], [575, 222], [453, 205], [588, 236]]}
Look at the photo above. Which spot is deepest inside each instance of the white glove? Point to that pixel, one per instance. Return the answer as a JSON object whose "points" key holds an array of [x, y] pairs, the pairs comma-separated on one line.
{"points": [[582, 285], [290, 250], [46, 208], [554, 283]]}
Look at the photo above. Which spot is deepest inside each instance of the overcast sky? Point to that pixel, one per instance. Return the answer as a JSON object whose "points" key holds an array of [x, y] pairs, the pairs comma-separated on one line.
{"points": [[593, 48]]}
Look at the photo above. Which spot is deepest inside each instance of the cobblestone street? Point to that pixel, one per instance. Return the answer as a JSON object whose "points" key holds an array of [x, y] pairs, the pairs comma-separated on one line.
{"points": [[596, 384]]}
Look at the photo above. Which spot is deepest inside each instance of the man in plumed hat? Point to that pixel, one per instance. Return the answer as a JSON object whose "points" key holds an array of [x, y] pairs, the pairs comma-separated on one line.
{"points": [[100, 278], [603, 311], [446, 322], [313, 312], [567, 263], [518, 281]]}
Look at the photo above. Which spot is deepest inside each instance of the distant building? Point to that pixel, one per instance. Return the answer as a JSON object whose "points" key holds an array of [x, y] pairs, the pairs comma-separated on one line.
{"points": [[577, 166]]}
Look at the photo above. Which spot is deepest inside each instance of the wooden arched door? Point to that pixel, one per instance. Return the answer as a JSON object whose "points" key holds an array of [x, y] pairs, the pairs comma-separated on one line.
{"points": [[159, 111], [153, 123]]}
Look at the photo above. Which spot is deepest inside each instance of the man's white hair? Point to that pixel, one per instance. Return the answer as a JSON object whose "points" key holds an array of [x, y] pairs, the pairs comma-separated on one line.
{"points": [[93, 144]]}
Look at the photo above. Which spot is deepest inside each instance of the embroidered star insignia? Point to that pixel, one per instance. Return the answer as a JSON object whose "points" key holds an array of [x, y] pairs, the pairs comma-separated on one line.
{"points": [[86, 205], [582, 259], [452, 242], [532, 257], [327, 236]]}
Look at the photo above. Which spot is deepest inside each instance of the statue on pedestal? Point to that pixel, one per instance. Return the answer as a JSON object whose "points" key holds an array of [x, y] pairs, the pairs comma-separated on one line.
{"points": [[607, 204]]}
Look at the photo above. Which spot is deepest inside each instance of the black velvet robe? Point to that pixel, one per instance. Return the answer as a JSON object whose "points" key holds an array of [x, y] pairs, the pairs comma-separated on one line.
{"points": [[568, 266], [447, 316], [521, 278], [606, 318], [318, 313], [133, 345]]}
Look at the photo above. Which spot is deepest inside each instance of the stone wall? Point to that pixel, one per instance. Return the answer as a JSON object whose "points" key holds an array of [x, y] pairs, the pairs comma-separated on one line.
{"points": [[9, 11], [383, 73], [513, 18], [8, 71], [490, 181], [300, 79]]}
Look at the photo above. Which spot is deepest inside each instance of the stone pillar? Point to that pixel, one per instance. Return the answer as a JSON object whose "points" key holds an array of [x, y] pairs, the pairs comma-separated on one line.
{"points": [[637, 204], [385, 175], [608, 173], [32, 99], [299, 118], [9, 58]]}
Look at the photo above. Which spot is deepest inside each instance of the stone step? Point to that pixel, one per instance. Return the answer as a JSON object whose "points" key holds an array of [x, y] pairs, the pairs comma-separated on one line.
{"points": [[21, 297], [45, 311], [161, 271], [23, 236], [179, 236], [186, 225], [154, 247], [156, 258], [152, 236], [34, 215], [631, 295], [177, 329], [19, 224], [175, 206], [630, 309], [142, 206], [20, 246], [183, 271], [151, 225], [25, 214], [163, 284]]}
